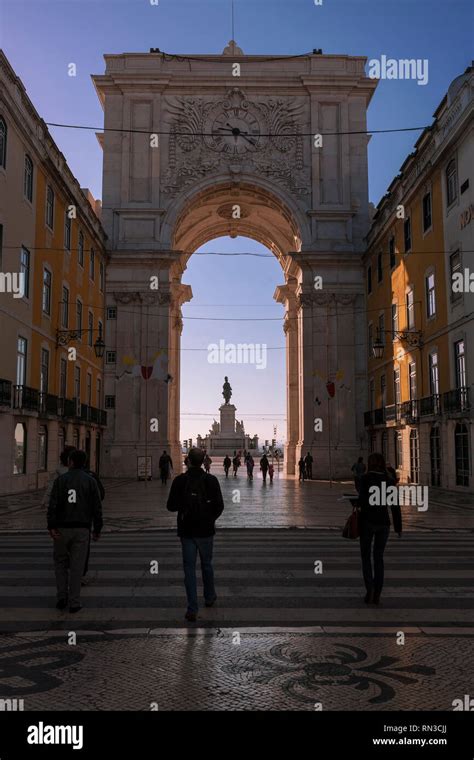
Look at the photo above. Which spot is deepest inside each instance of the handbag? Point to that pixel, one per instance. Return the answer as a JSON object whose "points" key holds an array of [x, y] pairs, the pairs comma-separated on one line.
{"points": [[351, 528]]}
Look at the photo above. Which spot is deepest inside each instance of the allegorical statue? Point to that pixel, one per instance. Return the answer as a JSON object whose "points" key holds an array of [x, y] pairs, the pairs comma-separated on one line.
{"points": [[227, 390]]}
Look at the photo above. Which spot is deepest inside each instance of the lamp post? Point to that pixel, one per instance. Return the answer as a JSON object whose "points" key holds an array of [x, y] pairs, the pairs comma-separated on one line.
{"points": [[65, 337], [412, 338]]}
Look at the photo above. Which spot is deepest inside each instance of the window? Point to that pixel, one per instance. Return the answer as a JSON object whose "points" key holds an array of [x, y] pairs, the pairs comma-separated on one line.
{"points": [[75, 438], [384, 445], [430, 296], [19, 464], [369, 280], [46, 291], [372, 394], [111, 312], [433, 373], [414, 456], [44, 370], [380, 267], [407, 234], [79, 318], [410, 310], [381, 335], [110, 402], [3, 143], [90, 329], [80, 248], [451, 182], [21, 352], [42, 448], [396, 386], [372, 442], [100, 329], [101, 276], [391, 250], [61, 439], [435, 456], [50, 207], [77, 382], [65, 307], [110, 357], [461, 448], [426, 212], [383, 390], [67, 231], [63, 377], [370, 340], [394, 320], [92, 265], [455, 266], [460, 364], [25, 270], [89, 389], [398, 448], [28, 179], [412, 380], [99, 393]]}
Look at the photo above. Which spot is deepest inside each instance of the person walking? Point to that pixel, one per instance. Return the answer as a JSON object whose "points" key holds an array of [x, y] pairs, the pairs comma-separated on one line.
{"points": [[207, 463], [60, 470], [197, 498], [236, 464], [74, 504], [264, 467], [308, 461], [358, 469], [227, 464], [165, 464], [271, 471], [374, 525], [250, 465], [302, 469]]}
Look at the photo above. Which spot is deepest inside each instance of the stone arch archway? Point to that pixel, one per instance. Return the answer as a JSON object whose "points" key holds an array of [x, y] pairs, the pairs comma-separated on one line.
{"points": [[226, 142]]}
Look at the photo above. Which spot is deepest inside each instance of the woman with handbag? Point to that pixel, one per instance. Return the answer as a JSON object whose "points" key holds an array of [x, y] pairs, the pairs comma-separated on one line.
{"points": [[374, 524]]}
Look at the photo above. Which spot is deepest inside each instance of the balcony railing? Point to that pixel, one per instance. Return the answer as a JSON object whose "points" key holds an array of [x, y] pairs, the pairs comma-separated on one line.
{"points": [[392, 412], [48, 404], [26, 398], [456, 401], [409, 411], [5, 393], [430, 405]]}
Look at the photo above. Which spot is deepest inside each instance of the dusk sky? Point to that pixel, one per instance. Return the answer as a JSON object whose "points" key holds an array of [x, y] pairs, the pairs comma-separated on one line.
{"points": [[41, 38]]}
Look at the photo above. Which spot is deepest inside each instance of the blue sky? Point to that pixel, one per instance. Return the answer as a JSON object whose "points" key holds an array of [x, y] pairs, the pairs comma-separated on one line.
{"points": [[41, 38]]}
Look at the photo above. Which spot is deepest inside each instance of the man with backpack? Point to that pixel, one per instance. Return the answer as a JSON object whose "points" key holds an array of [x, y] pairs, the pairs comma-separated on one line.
{"points": [[197, 498]]}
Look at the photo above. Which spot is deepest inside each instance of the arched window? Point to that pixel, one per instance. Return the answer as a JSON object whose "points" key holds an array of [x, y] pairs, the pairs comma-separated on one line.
{"points": [[42, 447], [19, 465], [435, 456], [451, 182], [3, 143], [75, 438], [28, 179], [414, 456], [461, 447], [398, 448]]}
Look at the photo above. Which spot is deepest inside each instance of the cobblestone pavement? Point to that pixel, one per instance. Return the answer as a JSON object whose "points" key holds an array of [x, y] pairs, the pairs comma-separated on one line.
{"points": [[132, 505], [232, 670]]}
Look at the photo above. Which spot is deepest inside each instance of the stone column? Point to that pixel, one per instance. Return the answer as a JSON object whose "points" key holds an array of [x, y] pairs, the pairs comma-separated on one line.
{"points": [[179, 294], [286, 294]]}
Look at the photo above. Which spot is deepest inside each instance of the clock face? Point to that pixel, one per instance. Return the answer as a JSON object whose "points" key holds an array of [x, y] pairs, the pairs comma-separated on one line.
{"points": [[234, 131]]}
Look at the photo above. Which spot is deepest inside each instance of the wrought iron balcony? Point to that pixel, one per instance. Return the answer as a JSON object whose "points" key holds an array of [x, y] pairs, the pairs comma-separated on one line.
{"points": [[48, 404], [26, 398], [457, 401], [430, 405], [392, 413], [409, 411], [5, 393]]}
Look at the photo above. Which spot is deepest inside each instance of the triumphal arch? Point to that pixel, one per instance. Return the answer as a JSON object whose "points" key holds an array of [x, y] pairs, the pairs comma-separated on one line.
{"points": [[272, 148]]}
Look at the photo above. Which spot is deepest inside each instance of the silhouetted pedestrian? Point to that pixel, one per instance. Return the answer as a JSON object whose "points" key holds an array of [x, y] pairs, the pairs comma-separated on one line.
{"points": [[207, 462], [264, 467], [196, 497], [271, 471], [227, 463], [250, 465], [358, 469], [236, 464], [374, 524], [302, 469], [308, 461], [165, 464]]}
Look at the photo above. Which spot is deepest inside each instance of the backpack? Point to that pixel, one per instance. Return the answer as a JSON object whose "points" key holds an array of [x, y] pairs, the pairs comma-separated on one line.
{"points": [[197, 506]]}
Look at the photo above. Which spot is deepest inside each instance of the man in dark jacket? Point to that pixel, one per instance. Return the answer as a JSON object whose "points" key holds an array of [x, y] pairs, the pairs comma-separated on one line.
{"points": [[73, 506], [196, 497]]}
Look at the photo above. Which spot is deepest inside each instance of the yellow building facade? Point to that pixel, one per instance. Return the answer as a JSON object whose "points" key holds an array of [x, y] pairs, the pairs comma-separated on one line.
{"points": [[51, 377], [420, 412]]}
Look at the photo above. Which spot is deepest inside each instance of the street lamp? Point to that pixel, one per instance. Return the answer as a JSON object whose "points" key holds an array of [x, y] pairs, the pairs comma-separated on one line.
{"points": [[413, 339], [65, 337]]}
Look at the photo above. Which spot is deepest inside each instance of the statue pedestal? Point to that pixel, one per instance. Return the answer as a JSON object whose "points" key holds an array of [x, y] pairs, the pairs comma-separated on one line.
{"points": [[226, 441], [227, 412]]}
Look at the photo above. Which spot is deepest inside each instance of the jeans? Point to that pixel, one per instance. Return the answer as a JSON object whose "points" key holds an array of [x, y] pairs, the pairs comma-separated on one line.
{"points": [[70, 552], [379, 535], [191, 547]]}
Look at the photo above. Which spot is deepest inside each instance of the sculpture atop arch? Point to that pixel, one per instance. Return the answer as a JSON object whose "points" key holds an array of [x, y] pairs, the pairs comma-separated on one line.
{"points": [[236, 155]]}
